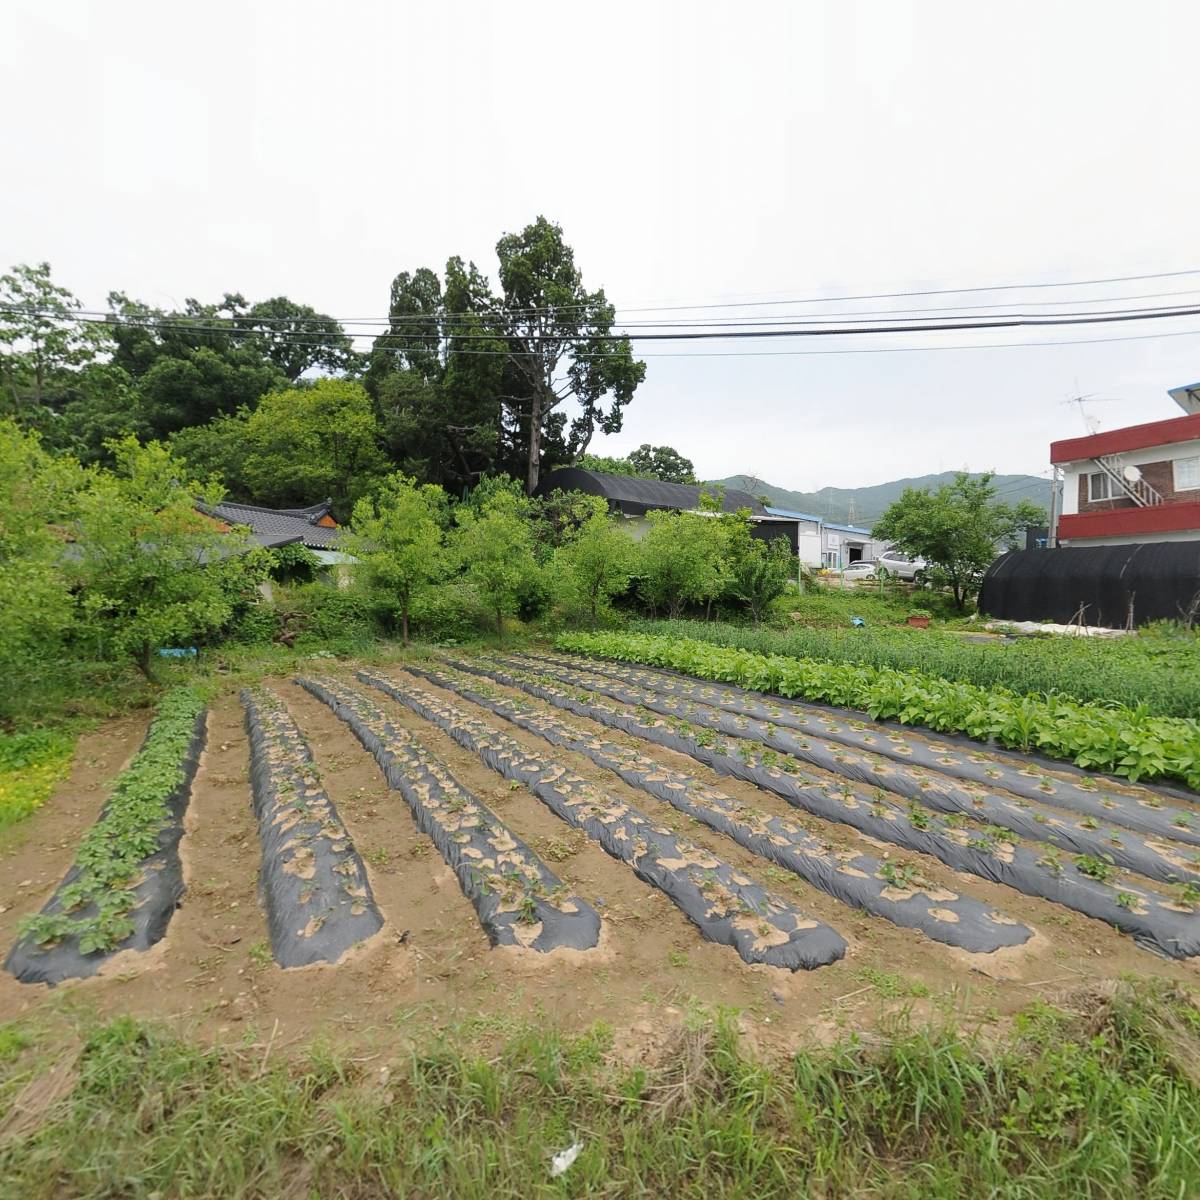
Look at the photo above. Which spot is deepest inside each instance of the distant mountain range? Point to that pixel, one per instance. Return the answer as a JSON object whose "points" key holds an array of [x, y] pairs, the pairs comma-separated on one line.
{"points": [[863, 506]]}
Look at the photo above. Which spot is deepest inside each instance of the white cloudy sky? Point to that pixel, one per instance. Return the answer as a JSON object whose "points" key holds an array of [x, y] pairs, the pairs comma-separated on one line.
{"points": [[693, 152]]}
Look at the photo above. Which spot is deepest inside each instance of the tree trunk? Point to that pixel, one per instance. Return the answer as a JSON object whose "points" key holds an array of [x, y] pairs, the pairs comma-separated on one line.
{"points": [[144, 659], [404, 620], [533, 462], [499, 622]]}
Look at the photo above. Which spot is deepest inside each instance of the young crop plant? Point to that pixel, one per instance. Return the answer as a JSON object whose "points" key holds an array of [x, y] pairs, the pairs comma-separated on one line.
{"points": [[1099, 869], [94, 907]]}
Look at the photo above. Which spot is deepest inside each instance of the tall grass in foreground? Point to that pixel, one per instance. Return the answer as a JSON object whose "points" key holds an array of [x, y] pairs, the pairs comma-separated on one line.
{"points": [[1102, 1100], [1158, 671]]}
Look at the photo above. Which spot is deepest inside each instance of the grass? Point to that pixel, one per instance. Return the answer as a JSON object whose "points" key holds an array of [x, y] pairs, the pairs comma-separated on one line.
{"points": [[1158, 670], [30, 765], [1098, 1099]]}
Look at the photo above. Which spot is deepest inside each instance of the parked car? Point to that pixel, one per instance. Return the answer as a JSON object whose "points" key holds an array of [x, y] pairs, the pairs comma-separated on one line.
{"points": [[859, 570], [901, 565]]}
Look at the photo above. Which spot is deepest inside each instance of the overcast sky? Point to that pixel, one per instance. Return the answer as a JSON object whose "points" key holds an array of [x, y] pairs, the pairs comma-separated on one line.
{"points": [[693, 153]]}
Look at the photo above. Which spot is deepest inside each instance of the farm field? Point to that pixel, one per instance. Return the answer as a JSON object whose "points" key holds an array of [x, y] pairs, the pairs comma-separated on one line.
{"points": [[812, 924]]}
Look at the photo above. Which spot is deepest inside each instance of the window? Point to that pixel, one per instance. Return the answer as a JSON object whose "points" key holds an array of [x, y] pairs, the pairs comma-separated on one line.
{"points": [[1098, 487], [1187, 473]]}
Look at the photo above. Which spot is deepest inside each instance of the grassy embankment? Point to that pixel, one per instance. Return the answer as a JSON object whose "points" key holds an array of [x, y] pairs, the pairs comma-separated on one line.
{"points": [[1098, 1098]]}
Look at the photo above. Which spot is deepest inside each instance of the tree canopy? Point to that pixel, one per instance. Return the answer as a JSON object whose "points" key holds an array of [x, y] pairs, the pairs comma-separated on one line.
{"points": [[958, 529]]}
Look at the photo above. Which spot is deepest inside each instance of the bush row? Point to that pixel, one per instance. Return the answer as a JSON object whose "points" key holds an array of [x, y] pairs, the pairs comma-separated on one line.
{"points": [[1157, 670], [1110, 738]]}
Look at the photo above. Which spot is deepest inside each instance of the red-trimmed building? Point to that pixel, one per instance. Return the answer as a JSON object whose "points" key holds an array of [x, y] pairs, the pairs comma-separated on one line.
{"points": [[1137, 484]]}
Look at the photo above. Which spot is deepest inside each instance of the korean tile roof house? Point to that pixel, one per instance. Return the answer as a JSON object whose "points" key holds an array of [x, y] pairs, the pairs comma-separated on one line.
{"points": [[312, 527]]}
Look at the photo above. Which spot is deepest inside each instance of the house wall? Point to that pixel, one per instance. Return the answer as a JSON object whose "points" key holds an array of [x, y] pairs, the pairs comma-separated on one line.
{"points": [[1156, 464]]}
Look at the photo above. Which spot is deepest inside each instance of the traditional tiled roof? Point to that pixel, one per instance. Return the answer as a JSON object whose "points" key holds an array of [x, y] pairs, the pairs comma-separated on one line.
{"points": [[635, 496], [282, 526]]}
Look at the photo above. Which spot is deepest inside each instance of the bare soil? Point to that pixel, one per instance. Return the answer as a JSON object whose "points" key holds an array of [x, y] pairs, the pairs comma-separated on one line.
{"points": [[430, 966]]}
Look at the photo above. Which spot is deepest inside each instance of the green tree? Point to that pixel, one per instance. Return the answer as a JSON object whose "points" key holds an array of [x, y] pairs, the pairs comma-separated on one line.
{"points": [[662, 462], [493, 544], [217, 450], [296, 338], [596, 562], [199, 384], [309, 443], [681, 560], [560, 347], [958, 529], [43, 340], [758, 571], [397, 532], [149, 569], [39, 498], [606, 464]]}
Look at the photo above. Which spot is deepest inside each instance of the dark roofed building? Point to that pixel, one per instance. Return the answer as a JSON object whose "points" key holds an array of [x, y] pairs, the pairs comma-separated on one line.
{"points": [[632, 497], [312, 527]]}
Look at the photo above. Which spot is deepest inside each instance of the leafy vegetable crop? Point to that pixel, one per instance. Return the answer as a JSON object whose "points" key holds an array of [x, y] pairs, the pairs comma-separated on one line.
{"points": [[112, 852], [1158, 671], [1115, 738]]}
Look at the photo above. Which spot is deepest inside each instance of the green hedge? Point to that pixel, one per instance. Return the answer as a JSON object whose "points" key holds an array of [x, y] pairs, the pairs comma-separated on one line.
{"points": [[1112, 738], [1158, 671]]}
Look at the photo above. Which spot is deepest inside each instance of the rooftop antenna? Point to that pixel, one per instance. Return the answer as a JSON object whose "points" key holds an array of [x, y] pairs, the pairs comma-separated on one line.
{"points": [[1090, 422]]}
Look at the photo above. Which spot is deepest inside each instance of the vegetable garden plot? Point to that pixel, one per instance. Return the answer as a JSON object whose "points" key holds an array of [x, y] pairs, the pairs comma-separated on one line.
{"points": [[1126, 742], [727, 906], [520, 901], [127, 879], [1038, 822], [1169, 926], [857, 879], [313, 884], [1144, 810]]}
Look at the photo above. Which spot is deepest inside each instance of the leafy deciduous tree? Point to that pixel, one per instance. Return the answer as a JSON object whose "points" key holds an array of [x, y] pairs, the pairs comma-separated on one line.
{"points": [[662, 462], [149, 569], [494, 546], [681, 560], [308, 443], [397, 531], [956, 529], [595, 564], [39, 496], [43, 342]]}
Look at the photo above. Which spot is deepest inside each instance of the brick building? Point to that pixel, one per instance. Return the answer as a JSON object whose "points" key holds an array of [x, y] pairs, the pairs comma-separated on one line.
{"points": [[1136, 484]]}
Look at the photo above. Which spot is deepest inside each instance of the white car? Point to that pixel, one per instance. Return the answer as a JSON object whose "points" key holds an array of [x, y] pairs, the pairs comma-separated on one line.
{"points": [[901, 565], [859, 570]]}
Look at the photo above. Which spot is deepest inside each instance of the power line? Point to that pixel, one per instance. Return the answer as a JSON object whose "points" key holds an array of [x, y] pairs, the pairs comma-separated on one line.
{"points": [[551, 309], [1007, 321]]}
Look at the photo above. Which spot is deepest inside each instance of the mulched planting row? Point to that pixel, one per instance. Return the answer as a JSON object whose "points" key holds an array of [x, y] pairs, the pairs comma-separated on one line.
{"points": [[313, 885], [856, 879], [1141, 806], [147, 901], [520, 902], [727, 906], [1038, 821], [1164, 925]]}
